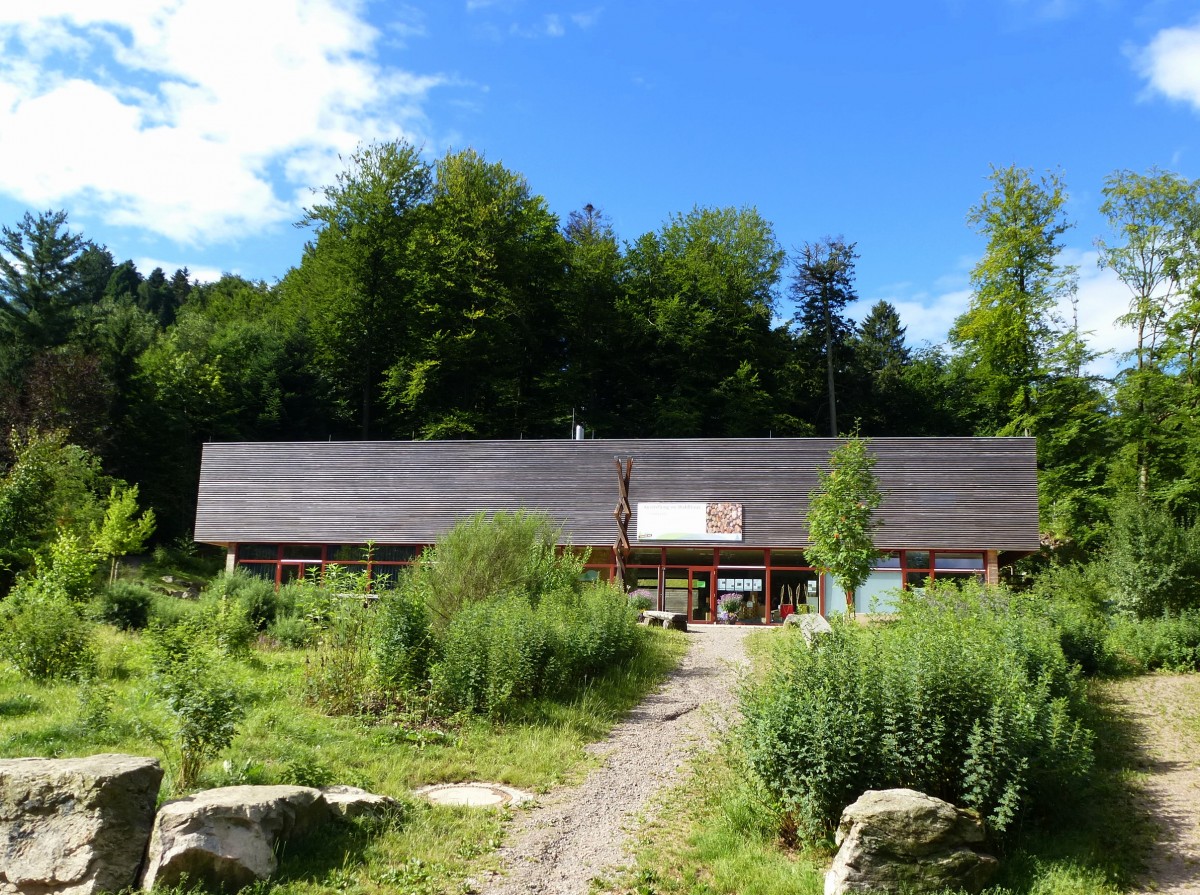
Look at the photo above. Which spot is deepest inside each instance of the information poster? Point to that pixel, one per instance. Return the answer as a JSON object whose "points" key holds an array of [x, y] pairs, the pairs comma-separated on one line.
{"points": [[718, 521]]}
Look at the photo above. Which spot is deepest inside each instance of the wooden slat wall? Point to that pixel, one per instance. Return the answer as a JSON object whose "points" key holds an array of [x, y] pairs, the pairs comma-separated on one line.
{"points": [[940, 493]]}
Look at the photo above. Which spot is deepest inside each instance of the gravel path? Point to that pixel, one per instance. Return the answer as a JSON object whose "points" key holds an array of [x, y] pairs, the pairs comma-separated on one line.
{"points": [[1165, 711], [578, 833]]}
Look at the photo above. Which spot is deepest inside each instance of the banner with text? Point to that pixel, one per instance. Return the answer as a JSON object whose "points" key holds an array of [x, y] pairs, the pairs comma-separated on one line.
{"points": [[689, 521]]}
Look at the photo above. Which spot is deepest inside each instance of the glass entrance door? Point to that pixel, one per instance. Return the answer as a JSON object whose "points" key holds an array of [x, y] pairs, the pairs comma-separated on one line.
{"points": [[690, 590]]}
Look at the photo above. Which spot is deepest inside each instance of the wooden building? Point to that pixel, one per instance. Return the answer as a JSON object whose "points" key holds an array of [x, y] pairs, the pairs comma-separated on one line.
{"points": [[706, 517]]}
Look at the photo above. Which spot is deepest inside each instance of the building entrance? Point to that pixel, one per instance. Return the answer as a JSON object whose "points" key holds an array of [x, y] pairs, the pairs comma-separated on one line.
{"points": [[690, 589]]}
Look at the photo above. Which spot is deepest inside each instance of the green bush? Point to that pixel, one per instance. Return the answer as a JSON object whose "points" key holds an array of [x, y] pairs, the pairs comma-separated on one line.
{"points": [[125, 605], [405, 645], [1153, 561], [293, 632], [256, 596], [190, 676], [167, 611], [499, 653], [1169, 642], [1077, 600], [45, 638], [966, 696], [338, 676]]}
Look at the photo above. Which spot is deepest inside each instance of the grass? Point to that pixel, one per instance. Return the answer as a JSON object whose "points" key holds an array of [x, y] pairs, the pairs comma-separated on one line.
{"points": [[717, 832], [283, 740]]}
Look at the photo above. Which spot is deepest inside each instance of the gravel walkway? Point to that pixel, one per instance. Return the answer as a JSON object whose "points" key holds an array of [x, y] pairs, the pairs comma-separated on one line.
{"points": [[578, 833], [1165, 712]]}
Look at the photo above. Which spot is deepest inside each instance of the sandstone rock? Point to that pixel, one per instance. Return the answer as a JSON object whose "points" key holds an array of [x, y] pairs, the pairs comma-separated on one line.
{"points": [[75, 826], [810, 624], [350, 802], [225, 838], [898, 837]]}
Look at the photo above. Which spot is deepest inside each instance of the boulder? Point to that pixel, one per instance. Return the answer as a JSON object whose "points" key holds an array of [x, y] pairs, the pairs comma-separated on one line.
{"points": [[224, 839], [75, 826], [810, 624], [350, 802], [898, 838]]}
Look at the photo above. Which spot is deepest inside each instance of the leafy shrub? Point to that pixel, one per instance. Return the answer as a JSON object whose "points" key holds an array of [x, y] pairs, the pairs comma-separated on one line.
{"points": [[337, 676], [292, 632], [45, 638], [69, 568], [1169, 642], [166, 611], [1076, 599], [1153, 561], [640, 600], [257, 597], [967, 696], [405, 646], [189, 676], [125, 605], [481, 559], [498, 653]]}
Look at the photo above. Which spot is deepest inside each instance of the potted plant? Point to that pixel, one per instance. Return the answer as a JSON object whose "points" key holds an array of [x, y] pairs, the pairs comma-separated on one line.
{"points": [[730, 608]]}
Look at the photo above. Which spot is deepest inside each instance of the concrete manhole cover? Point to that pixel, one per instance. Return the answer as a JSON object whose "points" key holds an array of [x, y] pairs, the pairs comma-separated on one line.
{"points": [[473, 795]]}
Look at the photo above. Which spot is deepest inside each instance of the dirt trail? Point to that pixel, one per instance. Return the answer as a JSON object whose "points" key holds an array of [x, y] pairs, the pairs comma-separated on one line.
{"points": [[1165, 711], [579, 833]]}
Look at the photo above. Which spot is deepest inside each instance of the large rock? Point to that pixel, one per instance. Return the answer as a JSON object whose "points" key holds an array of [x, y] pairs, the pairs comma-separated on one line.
{"points": [[225, 838], [898, 837], [810, 624], [75, 826], [350, 803]]}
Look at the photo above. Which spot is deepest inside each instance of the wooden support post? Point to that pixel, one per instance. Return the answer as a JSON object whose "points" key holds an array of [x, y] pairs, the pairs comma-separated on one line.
{"points": [[622, 514]]}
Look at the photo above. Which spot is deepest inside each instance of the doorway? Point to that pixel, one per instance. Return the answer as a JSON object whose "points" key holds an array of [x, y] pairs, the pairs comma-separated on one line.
{"points": [[690, 589]]}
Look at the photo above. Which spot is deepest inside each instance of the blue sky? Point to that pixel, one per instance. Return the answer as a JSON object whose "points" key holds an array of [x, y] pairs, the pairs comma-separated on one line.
{"points": [[188, 132]]}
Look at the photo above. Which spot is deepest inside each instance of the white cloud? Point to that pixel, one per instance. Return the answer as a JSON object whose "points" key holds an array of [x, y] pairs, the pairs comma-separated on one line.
{"points": [[200, 273], [1171, 63], [196, 119]]}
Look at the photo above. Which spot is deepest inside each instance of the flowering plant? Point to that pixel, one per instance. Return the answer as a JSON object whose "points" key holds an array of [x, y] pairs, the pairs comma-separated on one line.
{"points": [[730, 607]]}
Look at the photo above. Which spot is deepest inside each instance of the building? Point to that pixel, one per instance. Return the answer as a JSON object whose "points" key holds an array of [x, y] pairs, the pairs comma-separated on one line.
{"points": [[704, 517]]}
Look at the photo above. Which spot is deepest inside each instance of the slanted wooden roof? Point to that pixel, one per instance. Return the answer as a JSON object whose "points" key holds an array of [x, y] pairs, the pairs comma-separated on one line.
{"points": [[940, 493]]}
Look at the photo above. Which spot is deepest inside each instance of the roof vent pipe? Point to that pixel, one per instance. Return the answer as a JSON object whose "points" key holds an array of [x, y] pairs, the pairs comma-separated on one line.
{"points": [[579, 432]]}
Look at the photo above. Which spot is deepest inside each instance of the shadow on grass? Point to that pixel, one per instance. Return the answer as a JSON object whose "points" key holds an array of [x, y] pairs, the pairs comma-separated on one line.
{"points": [[19, 706], [330, 850]]}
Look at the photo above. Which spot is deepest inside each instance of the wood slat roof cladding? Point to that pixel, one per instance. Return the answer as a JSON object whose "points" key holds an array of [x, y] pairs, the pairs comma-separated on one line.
{"points": [[939, 493]]}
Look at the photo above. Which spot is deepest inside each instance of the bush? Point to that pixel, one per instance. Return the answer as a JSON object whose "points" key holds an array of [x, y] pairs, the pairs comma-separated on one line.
{"points": [[1153, 561], [1170, 642], [405, 646], [45, 638], [1076, 599], [967, 697], [125, 605], [337, 677], [292, 632], [256, 596], [189, 676]]}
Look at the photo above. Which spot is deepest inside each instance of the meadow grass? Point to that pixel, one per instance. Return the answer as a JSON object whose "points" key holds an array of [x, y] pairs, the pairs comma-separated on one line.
{"points": [[284, 740]]}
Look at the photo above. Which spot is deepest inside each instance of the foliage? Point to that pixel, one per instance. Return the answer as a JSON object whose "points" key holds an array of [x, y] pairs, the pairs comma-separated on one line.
{"points": [[1076, 600], [967, 697], [841, 523], [256, 597], [123, 531], [405, 647], [823, 287], [1168, 642], [482, 558], [124, 604], [44, 637], [189, 676], [67, 569], [1153, 561], [499, 653]]}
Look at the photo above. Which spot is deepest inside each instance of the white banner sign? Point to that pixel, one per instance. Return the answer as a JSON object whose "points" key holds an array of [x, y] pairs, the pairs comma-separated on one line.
{"points": [[689, 521]]}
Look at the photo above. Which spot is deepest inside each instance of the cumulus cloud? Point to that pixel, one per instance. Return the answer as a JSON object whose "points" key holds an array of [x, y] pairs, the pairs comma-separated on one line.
{"points": [[198, 120], [1171, 63]]}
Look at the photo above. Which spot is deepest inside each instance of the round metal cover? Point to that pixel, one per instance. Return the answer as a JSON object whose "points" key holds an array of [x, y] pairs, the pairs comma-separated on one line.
{"points": [[473, 795]]}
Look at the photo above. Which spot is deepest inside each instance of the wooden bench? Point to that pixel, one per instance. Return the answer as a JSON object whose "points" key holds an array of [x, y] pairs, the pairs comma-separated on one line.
{"points": [[676, 621]]}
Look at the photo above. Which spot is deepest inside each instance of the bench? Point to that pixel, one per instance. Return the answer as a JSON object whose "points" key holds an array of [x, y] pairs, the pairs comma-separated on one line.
{"points": [[676, 621]]}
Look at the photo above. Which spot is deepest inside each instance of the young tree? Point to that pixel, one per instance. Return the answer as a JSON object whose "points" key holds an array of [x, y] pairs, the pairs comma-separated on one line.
{"points": [[123, 531], [823, 286], [40, 280], [841, 517]]}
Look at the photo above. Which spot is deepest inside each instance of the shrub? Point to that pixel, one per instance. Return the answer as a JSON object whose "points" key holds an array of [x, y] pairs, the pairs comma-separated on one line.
{"points": [[967, 696], [1154, 562], [257, 597], [337, 676], [405, 646], [125, 605], [189, 676], [481, 559], [292, 632], [1168, 642], [1076, 599], [45, 638]]}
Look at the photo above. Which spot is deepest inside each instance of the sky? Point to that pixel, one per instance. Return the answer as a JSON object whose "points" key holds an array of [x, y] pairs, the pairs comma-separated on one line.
{"points": [[193, 132]]}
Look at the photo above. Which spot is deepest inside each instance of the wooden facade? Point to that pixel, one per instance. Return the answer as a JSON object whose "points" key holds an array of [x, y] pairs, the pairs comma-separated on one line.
{"points": [[943, 497]]}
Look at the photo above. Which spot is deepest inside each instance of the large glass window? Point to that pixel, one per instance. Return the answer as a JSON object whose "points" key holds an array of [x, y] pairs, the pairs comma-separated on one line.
{"points": [[393, 553], [258, 551], [745, 558], [689, 556], [344, 553], [788, 557], [302, 551], [945, 560], [791, 590]]}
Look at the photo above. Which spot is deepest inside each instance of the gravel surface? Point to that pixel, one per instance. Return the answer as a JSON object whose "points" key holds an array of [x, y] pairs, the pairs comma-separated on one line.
{"points": [[578, 833], [1165, 711]]}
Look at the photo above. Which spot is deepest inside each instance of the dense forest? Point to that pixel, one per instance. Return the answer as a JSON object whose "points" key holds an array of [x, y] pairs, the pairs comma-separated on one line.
{"points": [[446, 300]]}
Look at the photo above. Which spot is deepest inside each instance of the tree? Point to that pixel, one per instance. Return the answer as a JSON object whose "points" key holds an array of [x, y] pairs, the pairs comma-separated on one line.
{"points": [[355, 279], [841, 517], [123, 531], [1156, 220], [880, 357], [40, 279], [823, 286], [1010, 327]]}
